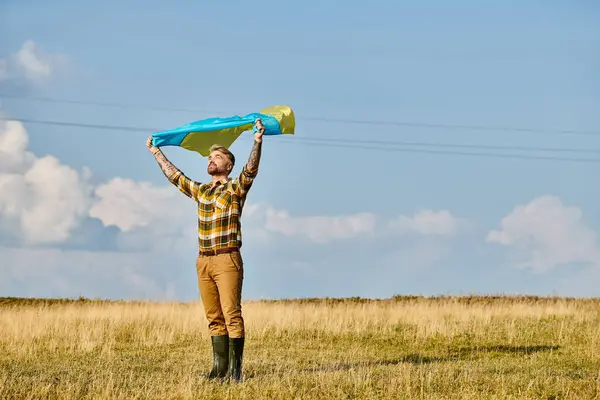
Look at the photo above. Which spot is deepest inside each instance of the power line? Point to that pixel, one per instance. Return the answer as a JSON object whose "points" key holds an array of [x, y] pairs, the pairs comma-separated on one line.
{"points": [[81, 125], [104, 104], [456, 126], [365, 144], [327, 119], [476, 154], [333, 140], [451, 145]]}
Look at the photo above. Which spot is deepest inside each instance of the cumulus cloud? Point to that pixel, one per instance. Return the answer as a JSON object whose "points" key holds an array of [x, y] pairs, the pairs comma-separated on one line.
{"points": [[13, 147], [31, 63], [45, 199], [547, 234], [320, 229], [324, 229], [149, 217], [128, 204], [427, 222]]}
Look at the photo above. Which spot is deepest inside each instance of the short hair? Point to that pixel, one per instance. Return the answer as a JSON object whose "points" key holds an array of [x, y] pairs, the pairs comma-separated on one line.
{"points": [[224, 150]]}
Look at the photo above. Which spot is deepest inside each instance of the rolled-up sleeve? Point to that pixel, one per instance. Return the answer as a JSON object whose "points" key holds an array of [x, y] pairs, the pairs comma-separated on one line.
{"points": [[186, 185], [245, 180]]}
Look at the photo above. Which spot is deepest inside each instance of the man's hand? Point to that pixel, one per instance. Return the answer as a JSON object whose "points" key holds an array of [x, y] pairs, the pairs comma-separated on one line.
{"points": [[150, 146], [261, 130]]}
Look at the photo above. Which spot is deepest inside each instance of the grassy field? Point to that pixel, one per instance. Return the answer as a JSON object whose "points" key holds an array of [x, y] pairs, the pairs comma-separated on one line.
{"points": [[400, 348]]}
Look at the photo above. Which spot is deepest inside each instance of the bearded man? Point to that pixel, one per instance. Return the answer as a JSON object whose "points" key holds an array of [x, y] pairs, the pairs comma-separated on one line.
{"points": [[219, 264]]}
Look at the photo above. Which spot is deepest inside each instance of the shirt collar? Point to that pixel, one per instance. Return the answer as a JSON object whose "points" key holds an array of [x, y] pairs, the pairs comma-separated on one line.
{"points": [[221, 182]]}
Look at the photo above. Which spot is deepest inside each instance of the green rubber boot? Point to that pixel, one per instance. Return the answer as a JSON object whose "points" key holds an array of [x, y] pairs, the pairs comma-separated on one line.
{"points": [[236, 351], [220, 346]]}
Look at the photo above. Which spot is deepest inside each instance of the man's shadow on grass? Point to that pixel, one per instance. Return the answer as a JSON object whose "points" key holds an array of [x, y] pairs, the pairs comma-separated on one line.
{"points": [[459, 354]]}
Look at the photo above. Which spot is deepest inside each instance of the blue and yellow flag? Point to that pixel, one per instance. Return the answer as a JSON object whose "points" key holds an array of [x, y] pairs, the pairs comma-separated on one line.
{"points": [[200, 135]]}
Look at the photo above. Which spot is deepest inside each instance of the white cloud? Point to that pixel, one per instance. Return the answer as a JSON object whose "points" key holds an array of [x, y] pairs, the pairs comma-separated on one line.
{"points": [[57, 199], [323, 229], [320, 229], [43, 197], [548, 234], [149, 217], [427, 222], [31, 63], [13, 147], [128, 204]]}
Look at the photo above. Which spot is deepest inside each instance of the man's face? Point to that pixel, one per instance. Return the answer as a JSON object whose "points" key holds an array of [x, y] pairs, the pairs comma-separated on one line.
{"points": [[218, 164]]}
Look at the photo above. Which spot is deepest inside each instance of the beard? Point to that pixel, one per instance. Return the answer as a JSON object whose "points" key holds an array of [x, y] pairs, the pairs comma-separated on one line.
{"points": [[213, 169]]}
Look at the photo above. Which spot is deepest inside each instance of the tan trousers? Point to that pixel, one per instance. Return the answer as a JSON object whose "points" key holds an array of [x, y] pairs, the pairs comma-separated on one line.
{"points": [[220, 280]]}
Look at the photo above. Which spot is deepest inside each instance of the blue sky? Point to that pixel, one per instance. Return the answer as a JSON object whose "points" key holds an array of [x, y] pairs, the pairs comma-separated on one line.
{"points": [[502, 64]]}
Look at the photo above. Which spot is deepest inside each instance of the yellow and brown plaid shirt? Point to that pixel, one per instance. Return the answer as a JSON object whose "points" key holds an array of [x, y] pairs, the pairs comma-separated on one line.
{"points": [[219, 208]]}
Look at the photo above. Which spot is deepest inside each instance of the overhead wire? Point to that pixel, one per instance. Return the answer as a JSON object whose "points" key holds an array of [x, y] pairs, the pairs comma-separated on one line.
{"points": [[325, 119], [379, 145], [461, 153], [333, 140]]}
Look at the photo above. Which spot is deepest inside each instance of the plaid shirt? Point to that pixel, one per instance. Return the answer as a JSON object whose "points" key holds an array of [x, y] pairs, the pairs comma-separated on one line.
{"points": [[219, 208]]}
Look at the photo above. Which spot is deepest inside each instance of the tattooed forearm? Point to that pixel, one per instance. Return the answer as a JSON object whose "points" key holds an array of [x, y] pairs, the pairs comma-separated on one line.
{"points": [[165, 165], [254, 159]]}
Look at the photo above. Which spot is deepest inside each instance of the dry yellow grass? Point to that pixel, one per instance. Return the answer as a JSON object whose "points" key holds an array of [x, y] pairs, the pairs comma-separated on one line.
{"points": [[467, 348]]}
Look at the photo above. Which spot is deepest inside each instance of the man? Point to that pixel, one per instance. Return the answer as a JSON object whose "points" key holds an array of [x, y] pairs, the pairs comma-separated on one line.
{"points": [[219, 265]]}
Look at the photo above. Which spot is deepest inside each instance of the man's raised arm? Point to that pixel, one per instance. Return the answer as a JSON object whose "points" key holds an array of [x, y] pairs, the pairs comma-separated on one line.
{"points": [[254, 159], [250, 169], [173, 174], [165, 165]]}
